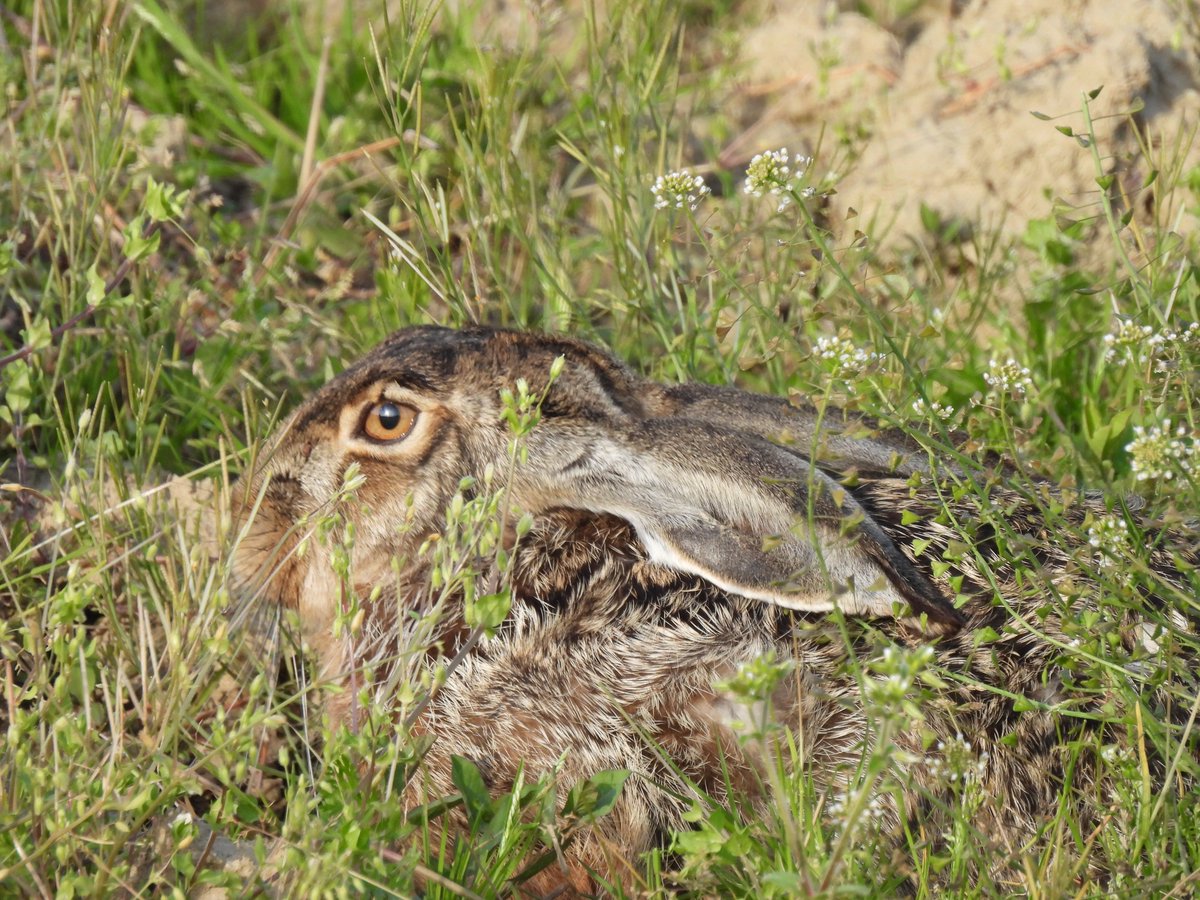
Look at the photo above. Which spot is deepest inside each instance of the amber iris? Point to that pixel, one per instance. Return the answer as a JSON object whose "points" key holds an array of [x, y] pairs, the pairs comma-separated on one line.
{"points": [[387, 421]]}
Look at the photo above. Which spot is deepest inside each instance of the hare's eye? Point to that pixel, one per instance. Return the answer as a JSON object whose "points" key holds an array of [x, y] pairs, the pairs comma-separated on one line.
{"points": [[387, 421]]}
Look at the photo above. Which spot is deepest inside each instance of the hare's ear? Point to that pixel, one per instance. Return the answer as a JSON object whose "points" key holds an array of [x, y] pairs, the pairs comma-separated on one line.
{"points": [[748, 516], [837, 439]]}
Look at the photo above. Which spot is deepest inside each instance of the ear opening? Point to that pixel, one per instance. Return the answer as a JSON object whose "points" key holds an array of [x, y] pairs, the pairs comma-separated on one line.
{"points": [[751, 517]]}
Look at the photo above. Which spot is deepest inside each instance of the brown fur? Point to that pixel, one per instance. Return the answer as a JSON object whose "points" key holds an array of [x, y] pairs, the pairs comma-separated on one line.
{"points": [[611, 652]]}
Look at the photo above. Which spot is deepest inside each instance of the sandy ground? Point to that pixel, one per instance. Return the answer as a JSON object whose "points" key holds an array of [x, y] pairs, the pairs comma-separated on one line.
{"points": [[947, 101]]}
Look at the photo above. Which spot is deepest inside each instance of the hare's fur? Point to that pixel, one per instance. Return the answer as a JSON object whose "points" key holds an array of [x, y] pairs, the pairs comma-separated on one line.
{"points": [[679, 532]]}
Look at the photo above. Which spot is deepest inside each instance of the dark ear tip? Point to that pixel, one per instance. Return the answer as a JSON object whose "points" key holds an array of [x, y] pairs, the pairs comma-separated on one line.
{"points": [[941, 612]]}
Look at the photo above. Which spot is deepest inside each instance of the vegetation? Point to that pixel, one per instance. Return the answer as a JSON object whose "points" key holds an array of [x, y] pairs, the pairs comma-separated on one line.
{"points": [[199, 224]]}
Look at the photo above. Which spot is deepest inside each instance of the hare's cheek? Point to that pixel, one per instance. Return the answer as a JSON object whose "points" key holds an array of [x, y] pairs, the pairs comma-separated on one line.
{"points": [[317, 606], [266, 563]]}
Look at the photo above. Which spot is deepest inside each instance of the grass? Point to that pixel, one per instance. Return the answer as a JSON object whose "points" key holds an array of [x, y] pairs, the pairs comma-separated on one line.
{"points": [[196, 233]]}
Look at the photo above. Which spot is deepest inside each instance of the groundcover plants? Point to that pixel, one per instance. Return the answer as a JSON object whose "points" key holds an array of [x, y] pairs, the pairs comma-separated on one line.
{"points": [[208, 209]]}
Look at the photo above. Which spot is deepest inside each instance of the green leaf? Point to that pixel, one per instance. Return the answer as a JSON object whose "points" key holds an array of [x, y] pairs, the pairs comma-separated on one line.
{"points": [[95, 287], [597, 796], [789, 882], [985, 635], [930, 220], [1104, 429], [490, 610], [501, 816], [163, 202], [469, 782], [37, 335], [1038, 115], [18, 392], [434, 810], [137, 244], [1095, 92], [9, 261]]}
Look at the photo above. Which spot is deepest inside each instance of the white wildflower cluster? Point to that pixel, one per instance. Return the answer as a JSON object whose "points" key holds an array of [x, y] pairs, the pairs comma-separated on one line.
{"points": [[1115, 754], [1188, 337], [1139, 344], [1130, 341], [1008, 379], [899, 668], [771, 173], [958, 763], [1109, 537], [838, 809], [843, 358], [933, 409], [678, 189], [1170, 347], [1157, 453]]}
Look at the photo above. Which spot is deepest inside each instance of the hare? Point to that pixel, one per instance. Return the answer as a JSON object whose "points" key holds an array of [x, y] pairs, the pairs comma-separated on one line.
{"points": [[678, 533]]}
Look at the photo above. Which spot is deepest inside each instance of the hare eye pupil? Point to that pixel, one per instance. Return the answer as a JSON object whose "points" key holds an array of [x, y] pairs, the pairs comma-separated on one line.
{"points": [[389, 416]]}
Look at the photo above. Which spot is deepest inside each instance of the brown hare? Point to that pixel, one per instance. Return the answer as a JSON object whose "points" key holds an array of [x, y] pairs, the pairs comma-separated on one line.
{"points": [[679, 532]]}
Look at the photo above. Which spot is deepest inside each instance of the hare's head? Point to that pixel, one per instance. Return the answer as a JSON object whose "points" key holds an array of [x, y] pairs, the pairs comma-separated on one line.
{"points": [[699, 472]]}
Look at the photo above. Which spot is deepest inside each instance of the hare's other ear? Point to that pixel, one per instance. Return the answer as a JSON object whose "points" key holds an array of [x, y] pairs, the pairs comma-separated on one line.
{"points": [[748, 516], [837, 441]]}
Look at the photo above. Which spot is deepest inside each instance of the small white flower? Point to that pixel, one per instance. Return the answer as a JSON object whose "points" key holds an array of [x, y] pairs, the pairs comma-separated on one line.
{"points": [[1171, 346], [1157, 452], [771, 173], [875, 809], [933, 409], [1109, 537], [678, 189], [1008, 379], [843, 358], [837, 808], [1115, 753], [1188, 337], [768, 173], [957, 762], [899, 668], [1130, 341]]}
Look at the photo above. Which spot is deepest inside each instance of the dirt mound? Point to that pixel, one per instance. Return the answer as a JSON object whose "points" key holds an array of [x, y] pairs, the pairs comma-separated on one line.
{"points": [[941, 106]]}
